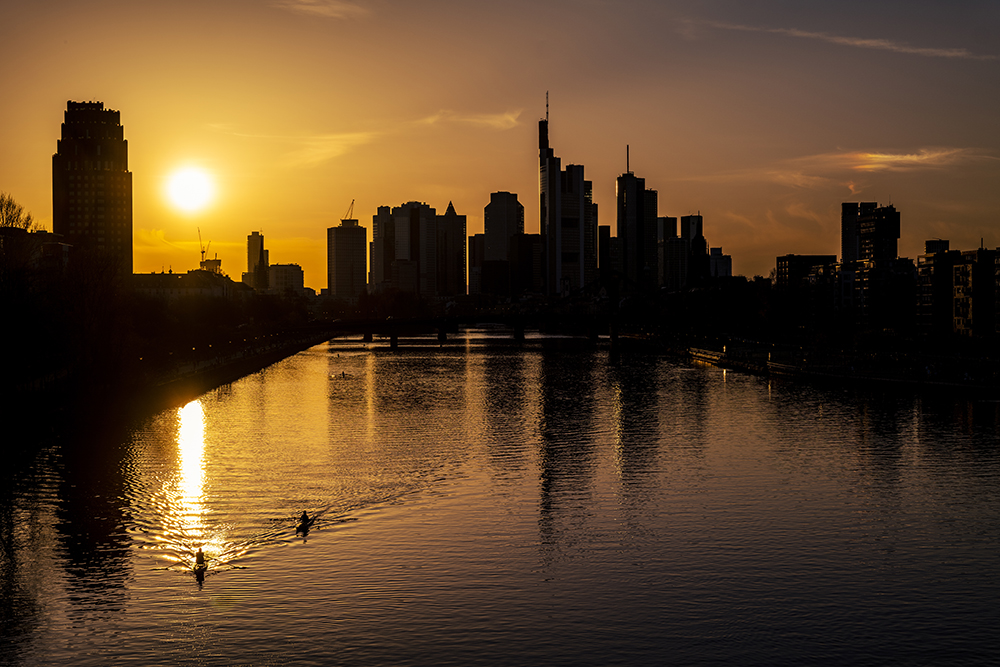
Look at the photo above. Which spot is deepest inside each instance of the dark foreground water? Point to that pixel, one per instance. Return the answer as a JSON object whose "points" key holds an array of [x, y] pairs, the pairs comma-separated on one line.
{"points": [[489, 504]]}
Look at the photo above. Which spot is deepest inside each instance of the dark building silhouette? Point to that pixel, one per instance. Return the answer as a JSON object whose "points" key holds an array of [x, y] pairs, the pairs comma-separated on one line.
{"points": [[868, 231], [346, 247], [415, 250], [527, 264], [935, 288], [791, 271], [698, 264], [451, 253], [636, 231], [975, 289], [568, 220], [477, 255], [91, 183], [502, 218], [257, 274], [382, 250]]}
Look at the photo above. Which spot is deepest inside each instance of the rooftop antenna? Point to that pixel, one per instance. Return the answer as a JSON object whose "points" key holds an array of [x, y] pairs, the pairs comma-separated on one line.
{"points": [[546, 106], [627, 170]]}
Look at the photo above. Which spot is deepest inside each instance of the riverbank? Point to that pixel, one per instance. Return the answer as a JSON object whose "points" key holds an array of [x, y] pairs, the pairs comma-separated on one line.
{"points": [[899, 367]]}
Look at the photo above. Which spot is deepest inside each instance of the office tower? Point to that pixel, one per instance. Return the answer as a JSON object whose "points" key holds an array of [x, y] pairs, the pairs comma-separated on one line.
{"points": [[451, 242], [719, 264], [477, 254], [257, 274], [699, 264], [527, 264], [637, 230], [414, 265], [502, 218], [91, 183], [382, 250], [284, 278], [568, 220], [666, 230], [868, 232], [604, 249], [345, 260]]}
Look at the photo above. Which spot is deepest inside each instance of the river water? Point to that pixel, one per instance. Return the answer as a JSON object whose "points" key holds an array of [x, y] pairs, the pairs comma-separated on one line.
{"points": [[489, 503]]}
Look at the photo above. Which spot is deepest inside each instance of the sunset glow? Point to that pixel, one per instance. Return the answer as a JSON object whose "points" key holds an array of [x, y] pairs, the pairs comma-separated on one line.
{"points": [[190, 189], [765, 120]]}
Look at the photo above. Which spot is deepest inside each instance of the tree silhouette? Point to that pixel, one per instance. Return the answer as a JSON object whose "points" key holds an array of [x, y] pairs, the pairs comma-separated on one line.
{"points": [[12, 215]]}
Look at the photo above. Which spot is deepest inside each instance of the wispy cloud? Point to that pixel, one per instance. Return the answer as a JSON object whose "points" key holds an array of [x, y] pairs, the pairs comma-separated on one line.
{"points": [[333, 9], [318, 149], [497, 121], [925, 158], [858, 42]]}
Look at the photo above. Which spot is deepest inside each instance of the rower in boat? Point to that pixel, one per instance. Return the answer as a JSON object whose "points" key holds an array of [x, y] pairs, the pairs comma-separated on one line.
{"points": [[304, 523], [200, 565]]}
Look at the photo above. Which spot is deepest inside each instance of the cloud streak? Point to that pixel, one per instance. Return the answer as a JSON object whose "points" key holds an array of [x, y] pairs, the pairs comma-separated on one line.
{"points": [[332, 9], [497, 121], [859, 42]]}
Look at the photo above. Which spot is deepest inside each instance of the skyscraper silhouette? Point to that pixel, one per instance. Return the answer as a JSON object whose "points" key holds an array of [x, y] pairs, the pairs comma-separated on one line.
{"points": [[502, 218], [637, 230], [451, 254], [257, 262], [868, 231], [568, 220], [91, 183], [345, 260]]}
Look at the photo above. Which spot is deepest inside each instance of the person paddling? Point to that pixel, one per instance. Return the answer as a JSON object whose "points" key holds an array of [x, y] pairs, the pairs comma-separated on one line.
{"points": [[199, 558]]}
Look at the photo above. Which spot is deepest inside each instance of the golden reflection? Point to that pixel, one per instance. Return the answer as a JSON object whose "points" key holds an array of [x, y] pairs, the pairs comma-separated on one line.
{"points": [[616, 420], [191, 446]]}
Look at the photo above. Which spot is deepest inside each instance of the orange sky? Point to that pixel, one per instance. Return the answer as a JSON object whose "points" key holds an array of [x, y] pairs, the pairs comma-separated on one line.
{"points": [[764, 119]]}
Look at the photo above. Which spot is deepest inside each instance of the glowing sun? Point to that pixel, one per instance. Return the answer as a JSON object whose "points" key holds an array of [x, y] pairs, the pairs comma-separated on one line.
{"points": [[190, 189]]}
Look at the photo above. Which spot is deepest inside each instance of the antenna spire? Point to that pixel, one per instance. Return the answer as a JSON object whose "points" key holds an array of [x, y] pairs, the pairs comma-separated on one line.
{"points": [[546, 106], [627, 170]]}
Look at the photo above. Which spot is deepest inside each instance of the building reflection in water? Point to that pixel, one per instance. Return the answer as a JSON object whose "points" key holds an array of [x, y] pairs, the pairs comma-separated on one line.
{"points": [[567, 449]]}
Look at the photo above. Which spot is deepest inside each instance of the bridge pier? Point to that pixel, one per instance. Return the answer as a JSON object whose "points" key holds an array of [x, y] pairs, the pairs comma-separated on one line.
{"points": [[442, 335], [367, 338], [394, 341]]}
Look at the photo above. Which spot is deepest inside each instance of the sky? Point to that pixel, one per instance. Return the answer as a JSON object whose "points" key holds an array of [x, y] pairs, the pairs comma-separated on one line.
{"points": [[761, 116]]}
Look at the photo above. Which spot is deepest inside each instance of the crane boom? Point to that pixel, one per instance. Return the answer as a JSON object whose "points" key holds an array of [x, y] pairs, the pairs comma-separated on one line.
{"points": [[350, 211]]}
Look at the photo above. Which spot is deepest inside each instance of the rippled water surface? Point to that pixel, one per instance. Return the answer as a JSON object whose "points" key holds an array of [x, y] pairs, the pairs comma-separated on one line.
{"points": [[483, 503]]}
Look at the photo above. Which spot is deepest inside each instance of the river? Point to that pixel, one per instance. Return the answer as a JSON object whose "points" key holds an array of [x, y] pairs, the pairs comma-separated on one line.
{"points": [[483, 502]]}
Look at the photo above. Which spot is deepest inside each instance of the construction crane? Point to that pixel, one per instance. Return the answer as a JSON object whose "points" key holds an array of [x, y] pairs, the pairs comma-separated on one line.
{"points": [[202, 246], [350, 211]]}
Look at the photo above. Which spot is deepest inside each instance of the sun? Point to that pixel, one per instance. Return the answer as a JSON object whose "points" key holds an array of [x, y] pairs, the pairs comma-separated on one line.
{"points": [[190, 189]]}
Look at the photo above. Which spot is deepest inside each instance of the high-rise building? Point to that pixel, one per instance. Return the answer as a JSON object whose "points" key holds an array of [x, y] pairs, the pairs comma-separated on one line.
{"points": [[283, 278], [345, 260], [868, 231], [257, 275], [477, 254], [382, 250], [567, 218], [91, 183], [451, 243], [502, 218], [637, 230]]}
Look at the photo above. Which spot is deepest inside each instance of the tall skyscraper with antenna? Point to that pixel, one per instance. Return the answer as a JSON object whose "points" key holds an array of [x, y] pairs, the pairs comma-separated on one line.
{"points": [[567, 219]]}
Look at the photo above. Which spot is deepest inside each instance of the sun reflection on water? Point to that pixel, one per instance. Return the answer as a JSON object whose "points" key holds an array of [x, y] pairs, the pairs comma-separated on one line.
{"points": [[191, 469]]}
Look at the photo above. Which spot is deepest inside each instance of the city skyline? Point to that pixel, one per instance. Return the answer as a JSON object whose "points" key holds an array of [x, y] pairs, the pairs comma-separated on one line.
{"points": [[765, 120]]}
